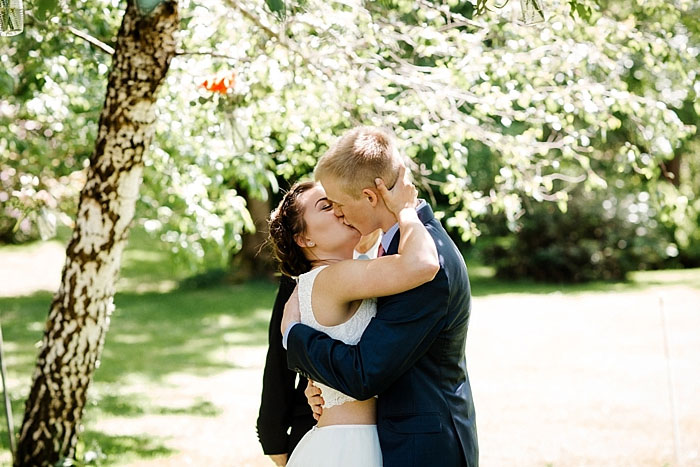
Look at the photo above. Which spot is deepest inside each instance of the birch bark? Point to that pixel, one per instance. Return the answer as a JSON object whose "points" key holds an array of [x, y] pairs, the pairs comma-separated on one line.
{"points": [[79, 314]]}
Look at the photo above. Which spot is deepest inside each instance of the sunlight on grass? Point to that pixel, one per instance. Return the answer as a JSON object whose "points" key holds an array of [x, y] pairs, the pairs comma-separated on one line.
{"points": [[131, 339], [480, 271], [34, 246], [484, 283], [689, 277], [161, 332], [152, 336]]}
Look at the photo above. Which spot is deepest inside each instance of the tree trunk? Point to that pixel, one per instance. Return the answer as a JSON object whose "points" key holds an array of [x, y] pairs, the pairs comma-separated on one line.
{"points": [[255, 259], [672, 170], [79, 314]]}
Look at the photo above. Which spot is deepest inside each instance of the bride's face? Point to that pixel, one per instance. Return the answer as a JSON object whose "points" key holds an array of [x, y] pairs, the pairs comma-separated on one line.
{"points": [[326, 234]]}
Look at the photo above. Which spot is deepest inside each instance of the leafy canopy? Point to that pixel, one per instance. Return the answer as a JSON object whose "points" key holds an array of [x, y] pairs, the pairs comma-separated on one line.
{"points": [[494, 112]]}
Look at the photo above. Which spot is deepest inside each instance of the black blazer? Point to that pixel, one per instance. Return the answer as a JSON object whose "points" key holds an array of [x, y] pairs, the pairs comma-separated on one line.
{"points": [[412, 356], [283, 404]]}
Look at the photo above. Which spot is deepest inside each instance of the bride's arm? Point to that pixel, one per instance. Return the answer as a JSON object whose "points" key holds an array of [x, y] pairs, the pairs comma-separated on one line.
{"points": [[416, 263]]}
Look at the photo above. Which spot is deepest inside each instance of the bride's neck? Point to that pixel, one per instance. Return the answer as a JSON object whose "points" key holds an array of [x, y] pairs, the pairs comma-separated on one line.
{"points": [[320, 258], [325, 261]]}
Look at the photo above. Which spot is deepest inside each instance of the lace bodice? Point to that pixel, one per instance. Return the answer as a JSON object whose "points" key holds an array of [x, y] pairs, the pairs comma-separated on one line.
{"points": [[349, 332]]}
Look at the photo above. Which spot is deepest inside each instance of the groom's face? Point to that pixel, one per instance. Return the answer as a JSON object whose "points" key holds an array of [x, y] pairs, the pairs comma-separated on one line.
{"points": [[355, 212]]}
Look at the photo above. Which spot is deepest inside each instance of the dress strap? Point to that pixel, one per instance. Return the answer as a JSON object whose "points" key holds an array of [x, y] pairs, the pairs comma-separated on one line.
{"points": [[306, 286]]}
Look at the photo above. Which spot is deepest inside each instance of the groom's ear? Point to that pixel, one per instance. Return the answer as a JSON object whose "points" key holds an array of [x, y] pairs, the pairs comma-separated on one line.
{"points": [[371, 196]]}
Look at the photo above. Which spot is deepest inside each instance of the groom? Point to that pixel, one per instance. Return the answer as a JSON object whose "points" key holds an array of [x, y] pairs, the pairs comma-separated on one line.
{"points": [[412, 353]]}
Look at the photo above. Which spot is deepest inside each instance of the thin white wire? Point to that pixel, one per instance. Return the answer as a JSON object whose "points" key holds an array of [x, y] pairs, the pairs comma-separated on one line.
{"points": [[671, 392]]}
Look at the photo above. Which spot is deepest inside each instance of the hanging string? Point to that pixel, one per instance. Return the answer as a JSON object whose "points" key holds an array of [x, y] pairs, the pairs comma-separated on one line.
{"points": [[8, 406], [671, 392]]}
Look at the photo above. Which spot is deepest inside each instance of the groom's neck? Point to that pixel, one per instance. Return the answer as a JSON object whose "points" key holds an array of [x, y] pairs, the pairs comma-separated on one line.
{"points": [[387, 221]]}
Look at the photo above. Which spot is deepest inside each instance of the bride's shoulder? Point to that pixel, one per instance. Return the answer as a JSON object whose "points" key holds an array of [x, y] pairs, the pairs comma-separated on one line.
{"points": [[312, 273], [307, 280]]}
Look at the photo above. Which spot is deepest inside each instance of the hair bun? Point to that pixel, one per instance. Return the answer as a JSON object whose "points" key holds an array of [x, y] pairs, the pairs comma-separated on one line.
{"points": [[285, 223]]}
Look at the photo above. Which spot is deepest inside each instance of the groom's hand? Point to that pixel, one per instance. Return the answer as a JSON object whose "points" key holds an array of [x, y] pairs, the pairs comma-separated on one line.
{"points": [[291, 311], [403, 195], [313, 397]]}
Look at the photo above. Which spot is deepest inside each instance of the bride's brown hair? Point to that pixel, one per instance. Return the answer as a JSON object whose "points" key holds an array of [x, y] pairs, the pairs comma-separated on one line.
{"points": [[286, 222]]}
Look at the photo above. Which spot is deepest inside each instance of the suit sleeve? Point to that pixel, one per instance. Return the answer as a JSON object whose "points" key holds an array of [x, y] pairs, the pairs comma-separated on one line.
{"points": [[278, 391], [405, 327]]}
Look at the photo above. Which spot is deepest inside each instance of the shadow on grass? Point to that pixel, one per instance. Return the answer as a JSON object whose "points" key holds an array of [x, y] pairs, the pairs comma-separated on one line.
{"points": [[121, 449], [97, 448], [185, 330], [483, 283], [157, 331], [135, 406], [155, 334], [151, 336], [117, 449]]}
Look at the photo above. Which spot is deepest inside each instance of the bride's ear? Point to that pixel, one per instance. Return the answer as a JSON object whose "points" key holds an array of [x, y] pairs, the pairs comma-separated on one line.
{"points": [[303, 242], [371, 196]]}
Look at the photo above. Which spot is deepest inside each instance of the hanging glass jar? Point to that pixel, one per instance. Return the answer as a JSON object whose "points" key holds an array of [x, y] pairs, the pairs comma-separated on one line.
{"points": [[11, 17]]}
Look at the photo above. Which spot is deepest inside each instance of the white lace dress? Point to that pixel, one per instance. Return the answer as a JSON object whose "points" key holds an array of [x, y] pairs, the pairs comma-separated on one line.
{"points": [[336, 445]]}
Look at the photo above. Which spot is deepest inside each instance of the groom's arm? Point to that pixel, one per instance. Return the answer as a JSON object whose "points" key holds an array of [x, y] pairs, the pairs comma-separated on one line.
{"points": [[403, 330]]}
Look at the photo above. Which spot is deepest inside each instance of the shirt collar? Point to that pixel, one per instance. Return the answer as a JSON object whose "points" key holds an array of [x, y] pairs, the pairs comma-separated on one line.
{"points": [[389, 234], [369, 254]]}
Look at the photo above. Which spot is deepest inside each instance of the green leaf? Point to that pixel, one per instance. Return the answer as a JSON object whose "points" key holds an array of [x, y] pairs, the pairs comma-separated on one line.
{"points": [[45, 9], [7, 83], [276, 6], [563, 205]]}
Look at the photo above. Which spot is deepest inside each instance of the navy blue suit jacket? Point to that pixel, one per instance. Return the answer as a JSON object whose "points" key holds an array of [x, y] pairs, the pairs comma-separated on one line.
{"points": [[412, 356]]}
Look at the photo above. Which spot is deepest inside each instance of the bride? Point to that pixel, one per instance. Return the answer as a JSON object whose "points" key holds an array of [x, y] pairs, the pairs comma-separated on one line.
{"points": [[337, 296]]}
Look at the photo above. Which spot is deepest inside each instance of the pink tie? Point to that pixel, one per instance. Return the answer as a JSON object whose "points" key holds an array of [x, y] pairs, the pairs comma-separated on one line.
{"points": [[381, 251]]}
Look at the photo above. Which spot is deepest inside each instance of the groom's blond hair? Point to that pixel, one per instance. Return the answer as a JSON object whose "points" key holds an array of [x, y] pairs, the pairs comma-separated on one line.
{"points": [[358, 157]]}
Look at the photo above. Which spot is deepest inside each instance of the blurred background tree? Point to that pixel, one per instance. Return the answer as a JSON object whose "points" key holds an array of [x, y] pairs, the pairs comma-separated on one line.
{"points": [[582, 126]]}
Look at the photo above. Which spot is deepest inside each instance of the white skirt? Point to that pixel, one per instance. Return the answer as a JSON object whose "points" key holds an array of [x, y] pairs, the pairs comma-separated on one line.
{"points": [[338, 446]]}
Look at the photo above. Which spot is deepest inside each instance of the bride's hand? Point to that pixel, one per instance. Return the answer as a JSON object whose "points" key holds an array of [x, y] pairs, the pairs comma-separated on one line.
{"points": [[403, 195]]}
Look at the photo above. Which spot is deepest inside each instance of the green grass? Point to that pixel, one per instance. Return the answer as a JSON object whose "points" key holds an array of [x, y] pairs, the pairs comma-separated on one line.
{"points": [[159, 329], [483, 283], [152, 335], [106, 448]]}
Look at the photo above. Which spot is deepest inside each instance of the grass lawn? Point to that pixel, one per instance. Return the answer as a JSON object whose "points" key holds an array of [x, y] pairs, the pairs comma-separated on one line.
{"points": [[152, 335], [159, 331]]}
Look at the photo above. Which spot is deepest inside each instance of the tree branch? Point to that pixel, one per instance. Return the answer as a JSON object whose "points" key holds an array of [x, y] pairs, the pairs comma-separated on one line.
{"points": [[254, 19], [92, 40], [281, 40], [211, 54]]}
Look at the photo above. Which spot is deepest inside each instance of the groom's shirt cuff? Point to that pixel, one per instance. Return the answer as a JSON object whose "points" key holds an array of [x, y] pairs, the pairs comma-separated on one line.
{"points": [[286, 334]]}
